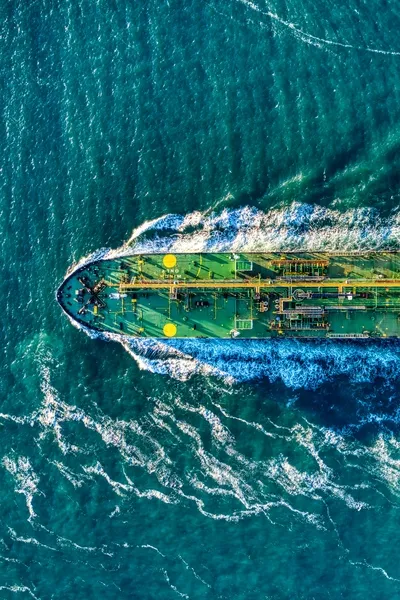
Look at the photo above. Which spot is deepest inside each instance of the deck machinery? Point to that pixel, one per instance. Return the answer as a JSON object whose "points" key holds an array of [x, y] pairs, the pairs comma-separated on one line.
{"points": [[238, 295]]}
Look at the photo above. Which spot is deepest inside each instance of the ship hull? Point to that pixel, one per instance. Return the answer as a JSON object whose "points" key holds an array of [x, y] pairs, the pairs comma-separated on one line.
{"points": [[238, 295]]}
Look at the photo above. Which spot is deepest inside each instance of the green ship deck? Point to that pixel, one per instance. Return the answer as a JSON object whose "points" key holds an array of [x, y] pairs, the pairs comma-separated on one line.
{"points": [[229, 295]]}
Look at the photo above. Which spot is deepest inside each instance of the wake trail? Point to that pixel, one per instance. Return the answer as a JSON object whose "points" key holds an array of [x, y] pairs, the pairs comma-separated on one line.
{"points": [[380, 569], [308, 37]]}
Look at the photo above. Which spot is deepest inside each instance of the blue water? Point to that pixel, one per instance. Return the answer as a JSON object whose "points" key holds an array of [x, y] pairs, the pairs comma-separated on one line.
{"points": [[184, 469]]}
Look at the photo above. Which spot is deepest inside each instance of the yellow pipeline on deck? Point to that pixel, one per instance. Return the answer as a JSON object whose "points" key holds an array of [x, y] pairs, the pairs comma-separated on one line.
{"points": [[201, 284]]}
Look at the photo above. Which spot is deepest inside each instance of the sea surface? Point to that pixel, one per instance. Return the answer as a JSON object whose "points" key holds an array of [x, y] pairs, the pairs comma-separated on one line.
{"points": [[194, 469]]}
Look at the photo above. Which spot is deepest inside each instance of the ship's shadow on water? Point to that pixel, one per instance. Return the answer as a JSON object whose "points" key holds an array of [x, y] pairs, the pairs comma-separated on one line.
{"points": [[362, 411]]}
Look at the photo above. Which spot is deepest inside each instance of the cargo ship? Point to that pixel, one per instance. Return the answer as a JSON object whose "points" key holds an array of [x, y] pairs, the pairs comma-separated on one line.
{"points": [[340, 295]]}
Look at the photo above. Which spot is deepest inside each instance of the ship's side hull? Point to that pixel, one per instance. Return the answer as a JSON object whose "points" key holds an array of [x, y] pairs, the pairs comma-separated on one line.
{"points": [[229, 295]]}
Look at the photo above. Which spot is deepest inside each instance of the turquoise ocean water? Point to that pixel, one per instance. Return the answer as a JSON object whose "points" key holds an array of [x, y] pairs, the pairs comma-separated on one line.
{"points": [[199, 470]]}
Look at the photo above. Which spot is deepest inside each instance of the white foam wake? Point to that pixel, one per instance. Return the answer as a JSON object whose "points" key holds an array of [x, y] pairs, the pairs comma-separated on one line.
{"points": [[292, 228], [26, 480], [295, 227]]}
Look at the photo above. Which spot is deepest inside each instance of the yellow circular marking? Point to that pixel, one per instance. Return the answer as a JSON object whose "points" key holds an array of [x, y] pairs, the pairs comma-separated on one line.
{"points": [[169, 261], [169, 330]]}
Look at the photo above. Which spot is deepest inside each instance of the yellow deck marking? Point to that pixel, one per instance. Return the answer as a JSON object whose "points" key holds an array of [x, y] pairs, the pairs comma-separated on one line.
{"points": [[200, 263], [169, 330], [169, 261]]}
